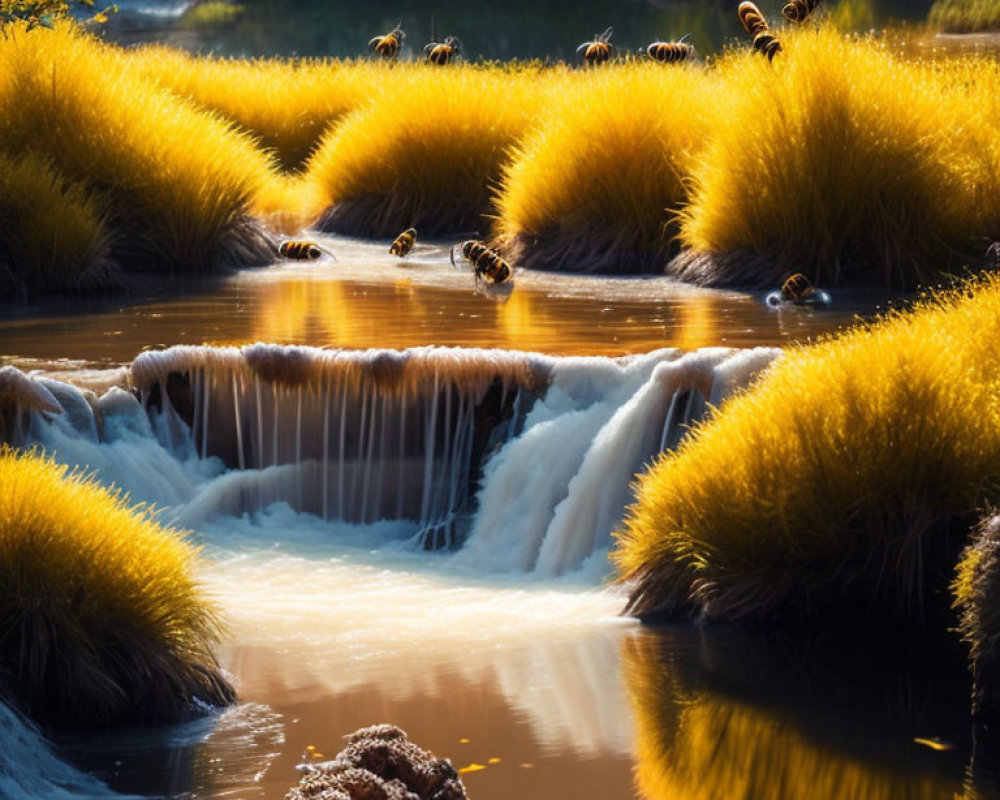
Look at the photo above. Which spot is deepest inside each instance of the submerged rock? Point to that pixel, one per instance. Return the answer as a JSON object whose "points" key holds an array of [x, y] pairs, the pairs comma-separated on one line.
{"points": [[380, 763]]}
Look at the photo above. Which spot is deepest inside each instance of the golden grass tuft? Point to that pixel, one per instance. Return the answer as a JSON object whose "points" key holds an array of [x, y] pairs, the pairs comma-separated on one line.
{"points": [[841, 482], [177, 182], [976, 590], [286, 105], [53, 234], [210, 13], [965, 16], [841, 161], [595, 186], [427, 150], [101, 622]]}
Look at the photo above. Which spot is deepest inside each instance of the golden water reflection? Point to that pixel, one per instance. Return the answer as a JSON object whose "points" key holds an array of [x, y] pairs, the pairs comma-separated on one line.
{"points": [[398, 309], [744, 719]]}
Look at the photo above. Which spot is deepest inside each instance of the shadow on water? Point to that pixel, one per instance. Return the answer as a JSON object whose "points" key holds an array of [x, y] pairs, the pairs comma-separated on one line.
{"points": [[522, 29], [734, 714], [234, 748]]}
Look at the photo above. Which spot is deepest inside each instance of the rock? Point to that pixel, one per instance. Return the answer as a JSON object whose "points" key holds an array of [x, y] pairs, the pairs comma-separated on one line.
{"points": [[380, 763]]}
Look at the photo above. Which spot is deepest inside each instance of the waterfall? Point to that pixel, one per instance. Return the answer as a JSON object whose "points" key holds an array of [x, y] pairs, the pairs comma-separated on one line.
{"points": [[521, 462]]}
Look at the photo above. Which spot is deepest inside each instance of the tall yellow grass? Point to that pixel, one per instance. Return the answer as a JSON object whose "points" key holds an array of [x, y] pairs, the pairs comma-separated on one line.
{"points": [[178, 183], [965, 16], [101, 622], [286, 105], [53, 234], [841, 161], [843, 480], [976, 590], [595, 186], [427, 150]]}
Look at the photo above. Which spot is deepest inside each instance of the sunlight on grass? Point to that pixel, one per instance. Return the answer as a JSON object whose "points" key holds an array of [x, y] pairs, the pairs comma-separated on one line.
{"points": [[178, 182], [965, 16], [427, 151], [286, 105], [103, 623], [595, 185], [841, 161], [844, 479]]}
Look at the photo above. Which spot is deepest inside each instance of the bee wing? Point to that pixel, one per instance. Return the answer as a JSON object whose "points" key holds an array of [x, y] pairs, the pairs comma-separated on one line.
{"points": [[373, 43], [325, 250], [430, 46], [582, 48]]}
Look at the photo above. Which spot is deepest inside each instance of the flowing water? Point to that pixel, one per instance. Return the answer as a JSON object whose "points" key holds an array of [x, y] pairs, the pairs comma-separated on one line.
{"points": [[419, 535]]}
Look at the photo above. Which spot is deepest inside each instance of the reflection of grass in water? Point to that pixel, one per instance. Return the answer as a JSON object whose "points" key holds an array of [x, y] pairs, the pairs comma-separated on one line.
{"points": [[177, 182], [843, 480], [594, 186], [965, 16], [696, 740], [102, 622], [53, 233]]}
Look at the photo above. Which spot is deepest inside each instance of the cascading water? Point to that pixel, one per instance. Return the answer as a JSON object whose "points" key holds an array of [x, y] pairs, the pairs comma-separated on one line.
{"points": [[318, 477], [523, 462]]}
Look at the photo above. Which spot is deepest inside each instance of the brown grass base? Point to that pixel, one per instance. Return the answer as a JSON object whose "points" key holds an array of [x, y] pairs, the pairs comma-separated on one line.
{"points": [[105, 683], [152, 247], [385, 216], [584, 252], [746, 269], [101, 274]]}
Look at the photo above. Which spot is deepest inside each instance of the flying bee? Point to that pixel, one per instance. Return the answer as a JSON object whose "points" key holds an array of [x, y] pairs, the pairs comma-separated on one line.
{"points": [[798, 10], [764, 41], [387, 46], [302, 250], [488, 264], [445, 52], [798, 290], [671, 52], [598, 51], [404, 243]]}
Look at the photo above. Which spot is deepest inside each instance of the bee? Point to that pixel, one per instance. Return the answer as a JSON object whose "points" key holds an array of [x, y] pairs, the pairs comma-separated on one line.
{"points": [[488, 264], [445, 52], [671, 52], [598, 51], [798, 10], [798, 290], [796, 287], [301, 250], [388, 46], [763, 40], [404, 242]]}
